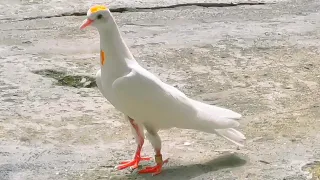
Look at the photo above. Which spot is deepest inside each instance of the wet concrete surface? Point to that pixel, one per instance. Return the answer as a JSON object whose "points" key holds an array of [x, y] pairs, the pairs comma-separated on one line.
{"points": [[262, 61]]}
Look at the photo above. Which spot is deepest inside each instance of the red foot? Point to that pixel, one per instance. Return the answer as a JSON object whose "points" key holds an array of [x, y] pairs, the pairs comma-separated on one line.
{"points": [[132, 164], [154, 170]]}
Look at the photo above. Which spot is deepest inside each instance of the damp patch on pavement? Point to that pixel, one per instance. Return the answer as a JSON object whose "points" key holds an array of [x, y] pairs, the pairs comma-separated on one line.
{"points": [[313, 168], [64, 79]]}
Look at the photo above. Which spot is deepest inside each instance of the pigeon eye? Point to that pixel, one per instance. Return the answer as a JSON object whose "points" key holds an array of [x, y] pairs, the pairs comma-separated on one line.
{"points": [[99, 16]]}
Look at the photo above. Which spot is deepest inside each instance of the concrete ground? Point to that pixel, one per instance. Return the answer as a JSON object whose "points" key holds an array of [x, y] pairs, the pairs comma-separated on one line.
{"points": [[259, 60]]}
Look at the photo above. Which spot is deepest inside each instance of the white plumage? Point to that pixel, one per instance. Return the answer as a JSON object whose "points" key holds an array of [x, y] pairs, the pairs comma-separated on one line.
{"points": [[145, 100]]}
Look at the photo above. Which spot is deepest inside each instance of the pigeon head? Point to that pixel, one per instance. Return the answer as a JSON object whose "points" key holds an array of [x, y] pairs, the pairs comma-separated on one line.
{"points": [[97, 16]]}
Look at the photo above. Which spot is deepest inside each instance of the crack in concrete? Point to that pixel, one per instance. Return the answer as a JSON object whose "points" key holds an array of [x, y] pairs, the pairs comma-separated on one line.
{"points": [[141, 9], [207, 5]]}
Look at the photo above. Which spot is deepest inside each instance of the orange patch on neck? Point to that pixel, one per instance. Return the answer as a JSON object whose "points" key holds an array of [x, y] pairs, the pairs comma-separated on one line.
{"points": [[97, 8], [102, 57]]}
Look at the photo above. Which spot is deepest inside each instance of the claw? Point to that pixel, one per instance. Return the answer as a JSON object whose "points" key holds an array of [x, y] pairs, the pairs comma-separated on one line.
{"points": [[145, 158], [154, 170], [141, 159], [132, 164]]}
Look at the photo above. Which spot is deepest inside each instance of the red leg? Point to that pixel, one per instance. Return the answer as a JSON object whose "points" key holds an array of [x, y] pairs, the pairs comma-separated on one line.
{"points": [[155, 170], [133, 164]]}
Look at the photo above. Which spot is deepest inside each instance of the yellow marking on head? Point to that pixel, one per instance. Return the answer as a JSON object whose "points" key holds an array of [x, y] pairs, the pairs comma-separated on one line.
{"points": [[102, 57], [97, 8]]}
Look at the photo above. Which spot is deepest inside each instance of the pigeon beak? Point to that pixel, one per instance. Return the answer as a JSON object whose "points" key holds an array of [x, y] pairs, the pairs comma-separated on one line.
{"points": [[86, 23]]}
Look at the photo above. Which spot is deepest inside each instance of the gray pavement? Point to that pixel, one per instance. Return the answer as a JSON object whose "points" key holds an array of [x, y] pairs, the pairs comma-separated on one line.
{"points": [[262, 61]]}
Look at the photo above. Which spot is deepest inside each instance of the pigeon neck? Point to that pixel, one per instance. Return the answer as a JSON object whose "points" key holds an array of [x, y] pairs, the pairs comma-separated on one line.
{"points": [[113, 45]]}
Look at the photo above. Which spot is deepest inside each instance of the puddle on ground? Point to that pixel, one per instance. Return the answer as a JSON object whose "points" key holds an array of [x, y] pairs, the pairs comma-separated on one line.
{"points": [[313, 168], [64, 79]]}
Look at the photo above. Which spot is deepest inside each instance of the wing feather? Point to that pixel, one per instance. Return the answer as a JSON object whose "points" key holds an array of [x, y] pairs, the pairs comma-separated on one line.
{"points": [[143, 96]]}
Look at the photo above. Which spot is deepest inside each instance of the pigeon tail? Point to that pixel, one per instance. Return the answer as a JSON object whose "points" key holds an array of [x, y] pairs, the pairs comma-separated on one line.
{"points": [[232, 135], [218, 120]]}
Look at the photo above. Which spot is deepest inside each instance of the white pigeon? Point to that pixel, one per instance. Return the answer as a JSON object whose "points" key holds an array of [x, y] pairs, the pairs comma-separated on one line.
{"points": [[146, 101]]}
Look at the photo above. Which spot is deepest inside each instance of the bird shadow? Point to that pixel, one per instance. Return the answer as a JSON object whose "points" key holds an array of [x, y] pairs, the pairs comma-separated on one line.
{"points": [[195, 170]]}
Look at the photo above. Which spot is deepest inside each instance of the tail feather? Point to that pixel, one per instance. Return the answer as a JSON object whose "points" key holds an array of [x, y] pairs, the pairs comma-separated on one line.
{"points": [[232, 135], [216, 111], [218, 120]]}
